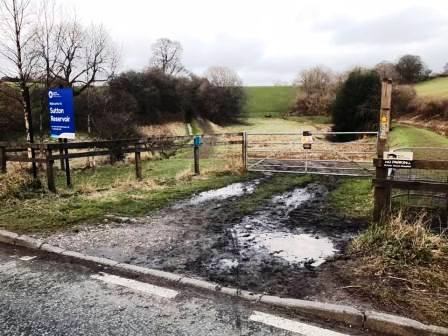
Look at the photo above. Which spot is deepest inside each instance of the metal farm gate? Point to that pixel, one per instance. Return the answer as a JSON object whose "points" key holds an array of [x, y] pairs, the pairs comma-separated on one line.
{"points": [[319, 153]]}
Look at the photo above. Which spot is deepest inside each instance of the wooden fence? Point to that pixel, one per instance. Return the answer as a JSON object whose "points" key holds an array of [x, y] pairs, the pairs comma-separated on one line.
{"points": [[48, 153]]}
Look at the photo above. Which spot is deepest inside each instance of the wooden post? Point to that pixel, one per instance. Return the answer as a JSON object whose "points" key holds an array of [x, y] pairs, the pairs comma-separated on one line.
{"points": [[50, 173], [3, 159], [138, 163], [61, 152], [196, 161], [244, 150], [67, 165], [382, 193]]}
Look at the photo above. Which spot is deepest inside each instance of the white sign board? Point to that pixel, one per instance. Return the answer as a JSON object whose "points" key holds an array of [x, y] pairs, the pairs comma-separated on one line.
{"points": [[398, 159]]}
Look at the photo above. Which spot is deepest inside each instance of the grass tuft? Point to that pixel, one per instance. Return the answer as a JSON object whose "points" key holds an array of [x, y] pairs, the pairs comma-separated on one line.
{"points": [[402, 242], [402, 266]]}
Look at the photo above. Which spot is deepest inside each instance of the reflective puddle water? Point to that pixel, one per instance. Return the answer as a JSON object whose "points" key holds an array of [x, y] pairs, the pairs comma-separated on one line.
{"points": [[295, 248], [263, 233], [232, 190]]}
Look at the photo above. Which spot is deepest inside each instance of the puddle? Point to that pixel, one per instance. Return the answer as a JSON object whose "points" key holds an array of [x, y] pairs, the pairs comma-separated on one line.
{"points": [[295, 248], [233, 190], [264, 232], [291, 200]]}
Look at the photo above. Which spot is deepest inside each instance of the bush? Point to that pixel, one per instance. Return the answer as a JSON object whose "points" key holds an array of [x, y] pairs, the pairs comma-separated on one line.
{"points": [[11, 113], [403, 97], [221, 105], [427, 108], [154, 92], [357, 103], [313, 104], [317, 92], [406, 102]]}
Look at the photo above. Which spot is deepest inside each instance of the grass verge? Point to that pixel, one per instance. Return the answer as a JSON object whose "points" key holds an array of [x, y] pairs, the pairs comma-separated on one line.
{"points": [[107, 190], [353, 198], [402, 266], [410, 136]]}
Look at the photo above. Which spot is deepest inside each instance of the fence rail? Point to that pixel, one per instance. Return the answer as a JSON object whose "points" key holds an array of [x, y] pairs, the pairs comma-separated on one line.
{"points": [[48, 153]]}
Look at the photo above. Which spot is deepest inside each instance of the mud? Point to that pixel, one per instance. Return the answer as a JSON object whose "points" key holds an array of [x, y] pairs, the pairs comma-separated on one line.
{"points": [[291, 246]]}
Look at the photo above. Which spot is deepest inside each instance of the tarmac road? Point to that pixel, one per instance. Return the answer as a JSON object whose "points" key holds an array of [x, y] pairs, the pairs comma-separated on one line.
{"points": [[42, 296]]}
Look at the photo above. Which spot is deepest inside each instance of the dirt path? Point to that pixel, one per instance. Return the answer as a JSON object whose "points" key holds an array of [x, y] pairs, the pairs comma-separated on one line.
{"points": [[293, 246]]}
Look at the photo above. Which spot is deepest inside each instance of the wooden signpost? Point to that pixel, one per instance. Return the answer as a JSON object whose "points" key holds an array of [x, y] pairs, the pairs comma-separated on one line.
{"points": [[382, 193]]}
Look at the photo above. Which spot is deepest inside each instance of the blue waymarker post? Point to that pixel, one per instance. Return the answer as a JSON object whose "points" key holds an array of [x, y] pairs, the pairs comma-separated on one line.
{"points": [[197, 142], [62, 122]]}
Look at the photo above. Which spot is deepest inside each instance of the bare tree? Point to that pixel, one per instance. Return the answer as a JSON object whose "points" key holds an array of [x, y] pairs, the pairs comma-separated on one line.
{"points": [[84, 56], [17, 47], [316, 80], [223, 77], [167, 56], [47, 51], [387, 70], [316, 91], [445, 69]]}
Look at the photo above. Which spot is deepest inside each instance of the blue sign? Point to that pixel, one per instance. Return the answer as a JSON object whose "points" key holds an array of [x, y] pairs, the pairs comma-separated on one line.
{"points": [[197, 141], [62, 121]]}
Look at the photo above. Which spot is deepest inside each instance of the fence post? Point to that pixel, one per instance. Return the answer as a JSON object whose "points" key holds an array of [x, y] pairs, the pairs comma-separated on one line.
{"points": [[382, 193], [67, 165], [138, 162], [3, 159], [50, 173], [244, 153], [61, 152], [197, 143]]}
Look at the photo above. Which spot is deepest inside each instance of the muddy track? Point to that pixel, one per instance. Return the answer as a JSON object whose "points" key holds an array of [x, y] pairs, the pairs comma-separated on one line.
{"points": [[292, 246]]}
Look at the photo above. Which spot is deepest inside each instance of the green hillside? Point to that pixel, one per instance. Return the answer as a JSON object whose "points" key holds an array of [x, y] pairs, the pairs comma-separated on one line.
{"points": [[268, 100], [433, 88]]}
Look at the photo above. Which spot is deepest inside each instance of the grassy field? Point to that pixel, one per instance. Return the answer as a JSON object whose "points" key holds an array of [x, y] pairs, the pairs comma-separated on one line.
{"points": [[267, 125], [437, 88], [268, 100], [410, 136]]}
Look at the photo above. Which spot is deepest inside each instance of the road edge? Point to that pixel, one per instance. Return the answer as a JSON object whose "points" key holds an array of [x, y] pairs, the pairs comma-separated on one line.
{"points": [[353, 317]]}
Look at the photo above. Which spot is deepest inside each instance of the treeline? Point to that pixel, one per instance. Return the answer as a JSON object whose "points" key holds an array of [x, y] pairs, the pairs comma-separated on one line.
{"points": [[352, 99], [130, 100], [134, 99]]}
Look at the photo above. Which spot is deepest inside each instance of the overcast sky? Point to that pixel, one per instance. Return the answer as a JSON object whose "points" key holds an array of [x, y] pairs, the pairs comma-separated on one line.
{"points": [[268, 42]]}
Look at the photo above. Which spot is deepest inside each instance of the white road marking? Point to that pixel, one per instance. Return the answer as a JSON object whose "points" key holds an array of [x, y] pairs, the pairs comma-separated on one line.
{"points": [[136, 285], [27, 258], [290, 325]]}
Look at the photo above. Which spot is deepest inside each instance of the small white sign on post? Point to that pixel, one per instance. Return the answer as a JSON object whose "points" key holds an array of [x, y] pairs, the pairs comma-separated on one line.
{"points": [[306, 140], [398, 159]]}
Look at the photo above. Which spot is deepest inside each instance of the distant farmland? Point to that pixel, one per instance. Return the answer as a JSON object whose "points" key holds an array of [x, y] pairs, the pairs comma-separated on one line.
{"points": [[268, 100], [437, 88]]}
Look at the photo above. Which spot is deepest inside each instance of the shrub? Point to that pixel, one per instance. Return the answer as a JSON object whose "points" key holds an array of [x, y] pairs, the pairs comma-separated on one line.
{"points": [[357, 103], [16, 184], [403, 97], [221, 105], [11, 112], [316, 93], [313, 104]]}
